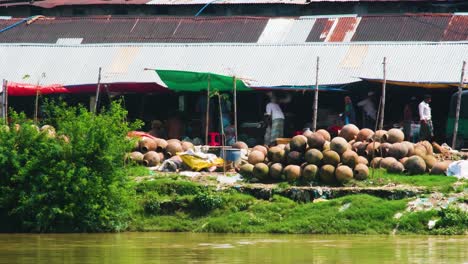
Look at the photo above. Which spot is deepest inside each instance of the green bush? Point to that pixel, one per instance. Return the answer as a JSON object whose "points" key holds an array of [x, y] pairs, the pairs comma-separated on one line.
{"points": [[151, 204], [205, 202], [452, 221], [168, 186], [48, 184]]}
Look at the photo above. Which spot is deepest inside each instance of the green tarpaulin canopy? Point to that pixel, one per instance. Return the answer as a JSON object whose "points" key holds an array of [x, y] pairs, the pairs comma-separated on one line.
{"points": [[198, 81]]}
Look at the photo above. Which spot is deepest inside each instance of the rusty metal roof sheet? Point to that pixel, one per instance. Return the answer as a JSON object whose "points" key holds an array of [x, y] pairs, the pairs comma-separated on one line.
{"points": [[457, 29], [264, 65]]}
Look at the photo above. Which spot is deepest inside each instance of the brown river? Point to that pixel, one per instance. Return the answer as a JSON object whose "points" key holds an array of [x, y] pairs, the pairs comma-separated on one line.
{"points": [[230, 248]]}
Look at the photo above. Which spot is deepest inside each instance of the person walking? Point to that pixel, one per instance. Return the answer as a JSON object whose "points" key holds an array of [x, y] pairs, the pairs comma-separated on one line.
{"points": [[349, 114], [370, 113], [275, 121], [426, 131]]}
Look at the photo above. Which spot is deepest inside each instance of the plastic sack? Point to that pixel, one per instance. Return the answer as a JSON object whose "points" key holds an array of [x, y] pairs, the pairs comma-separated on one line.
{"points": [[197, 164], [458, 169]]}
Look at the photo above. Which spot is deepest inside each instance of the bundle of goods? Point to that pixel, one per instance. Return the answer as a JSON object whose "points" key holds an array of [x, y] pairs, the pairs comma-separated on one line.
{"points": [[316, 157]]}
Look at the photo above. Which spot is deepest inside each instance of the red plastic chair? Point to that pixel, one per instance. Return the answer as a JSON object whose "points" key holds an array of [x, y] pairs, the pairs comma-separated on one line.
{"points": [[214, 139]]}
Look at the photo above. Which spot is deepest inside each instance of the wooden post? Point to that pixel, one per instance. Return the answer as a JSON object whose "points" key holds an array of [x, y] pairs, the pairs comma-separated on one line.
{"points": [[222, 133], [457, 112], [207, 116], [97, 91], [373, 142], [36, 105], [314, 120], [384, 84], [4, 101], [235, 108]]}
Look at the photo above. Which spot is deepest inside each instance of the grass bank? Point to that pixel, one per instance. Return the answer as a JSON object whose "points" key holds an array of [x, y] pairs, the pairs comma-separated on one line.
{"points": [[177, 204]]}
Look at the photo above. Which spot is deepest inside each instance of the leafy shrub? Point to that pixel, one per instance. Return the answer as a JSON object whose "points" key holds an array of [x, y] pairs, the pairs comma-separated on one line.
{"points": [[152, 204], [206, 202], [452, 221], [165, 186], [48, 184]]}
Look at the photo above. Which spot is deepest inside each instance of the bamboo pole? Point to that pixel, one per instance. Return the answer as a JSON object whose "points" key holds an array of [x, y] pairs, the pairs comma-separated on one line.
{"points": [[207, 116], [223, 149], [457, 112], [235, 108], [314, 120], [97, 91], [384, 84]]}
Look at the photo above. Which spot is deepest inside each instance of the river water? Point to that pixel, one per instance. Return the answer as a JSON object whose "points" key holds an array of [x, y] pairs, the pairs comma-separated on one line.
{"points": [[230, 248]]}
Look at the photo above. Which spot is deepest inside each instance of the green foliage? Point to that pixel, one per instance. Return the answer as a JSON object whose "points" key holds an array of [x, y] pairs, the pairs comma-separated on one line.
{"points": [[207, 201], [449, 221], [415, 222], [230, 211], [151, 204], [135, 171], [452, 221], [432, 182], [49, 184], [169, 186]]}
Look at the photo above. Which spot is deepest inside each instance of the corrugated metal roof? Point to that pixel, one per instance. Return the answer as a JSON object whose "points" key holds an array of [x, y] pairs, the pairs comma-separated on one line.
{"points": [[266, 65], [202, 2], [141, 30], [346, 28], [402, 28], [55, 3], [457, 29]]}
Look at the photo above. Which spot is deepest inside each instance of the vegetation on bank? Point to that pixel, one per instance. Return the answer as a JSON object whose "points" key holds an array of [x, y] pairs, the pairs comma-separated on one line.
{"points": [[70, 180], [176, 204], [75, 179], [380, 177]]}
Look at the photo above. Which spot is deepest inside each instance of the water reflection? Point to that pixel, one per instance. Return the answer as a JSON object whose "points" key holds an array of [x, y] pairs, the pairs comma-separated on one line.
{"points": [[229, 248]]}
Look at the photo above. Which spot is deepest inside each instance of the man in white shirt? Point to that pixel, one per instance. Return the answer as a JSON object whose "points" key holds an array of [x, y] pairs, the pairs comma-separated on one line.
{"points": [[370, 113], [275, 122], [426, 132]]}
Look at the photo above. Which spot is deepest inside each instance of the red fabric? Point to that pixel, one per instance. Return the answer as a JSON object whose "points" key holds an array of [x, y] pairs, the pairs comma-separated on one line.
{"points": [[140, 134], [24, 89]]}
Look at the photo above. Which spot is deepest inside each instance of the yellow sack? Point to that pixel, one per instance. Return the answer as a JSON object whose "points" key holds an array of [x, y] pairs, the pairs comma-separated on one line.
{"points": [[198, 164]]}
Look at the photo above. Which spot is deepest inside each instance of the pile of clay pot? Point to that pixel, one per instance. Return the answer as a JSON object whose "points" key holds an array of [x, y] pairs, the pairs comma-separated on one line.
{"points": [[316, 157], [152, 152], [48, 130]]}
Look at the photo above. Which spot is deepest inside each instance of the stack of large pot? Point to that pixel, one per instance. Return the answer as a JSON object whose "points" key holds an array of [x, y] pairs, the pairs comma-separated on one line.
{"points": [[316, 157], [153, 151]]}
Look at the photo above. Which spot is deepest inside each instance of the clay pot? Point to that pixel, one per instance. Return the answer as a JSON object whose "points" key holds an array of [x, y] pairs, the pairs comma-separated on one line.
{"points": [[364, 134], [147, 144], [151, 158]]}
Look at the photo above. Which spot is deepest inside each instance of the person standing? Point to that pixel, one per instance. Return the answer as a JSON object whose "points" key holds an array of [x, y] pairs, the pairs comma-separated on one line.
{"points": [[426, 131], [349, 114], [275, 121], [408, 118], [157, 129], [226, 110], [370, 114]]}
